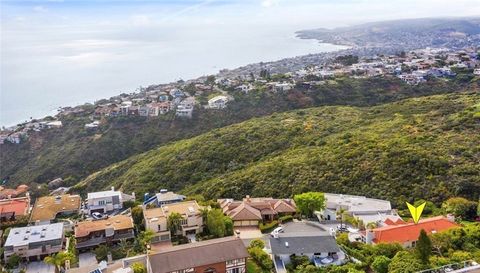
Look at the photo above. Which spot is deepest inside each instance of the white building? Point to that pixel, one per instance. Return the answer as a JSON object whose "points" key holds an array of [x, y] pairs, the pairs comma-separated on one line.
{"points": [[107, 201], [368, 210], [218, 102], [34, 242]]}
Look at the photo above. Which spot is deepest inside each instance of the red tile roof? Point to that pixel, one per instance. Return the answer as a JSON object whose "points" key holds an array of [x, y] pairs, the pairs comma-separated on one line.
{"points": [[17, 206], [408, 232]]}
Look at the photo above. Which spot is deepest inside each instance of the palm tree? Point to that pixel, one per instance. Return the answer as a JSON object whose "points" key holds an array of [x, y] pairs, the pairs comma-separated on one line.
{"points": [[58, 259], [340, 216], [174, 222], [124, 246]]}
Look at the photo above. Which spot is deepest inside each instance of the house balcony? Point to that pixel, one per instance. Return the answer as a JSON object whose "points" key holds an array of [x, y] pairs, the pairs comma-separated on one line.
{"points": [[102, 240], [91, 242]]}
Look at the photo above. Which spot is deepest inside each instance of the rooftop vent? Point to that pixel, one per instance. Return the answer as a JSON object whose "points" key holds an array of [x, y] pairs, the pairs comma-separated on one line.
{"points": [[43, 234], [44, 228], [25, 237], [286, 244]]}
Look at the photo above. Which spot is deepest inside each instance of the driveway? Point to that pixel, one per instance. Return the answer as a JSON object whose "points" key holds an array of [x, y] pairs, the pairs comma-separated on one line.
{"points": [[39, 267], [86, 259], [247, 234]]}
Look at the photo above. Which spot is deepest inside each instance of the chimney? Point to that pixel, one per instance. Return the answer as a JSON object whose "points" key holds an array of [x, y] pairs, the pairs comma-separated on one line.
{"points": [[275, 235], [370, 235], [451, 217], [133, 194], [248, 198], [113, 188], [237, 233]]}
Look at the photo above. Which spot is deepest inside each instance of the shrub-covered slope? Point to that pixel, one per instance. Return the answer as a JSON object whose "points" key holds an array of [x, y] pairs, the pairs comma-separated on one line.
{"points": [[73, 152], [416, 148]]}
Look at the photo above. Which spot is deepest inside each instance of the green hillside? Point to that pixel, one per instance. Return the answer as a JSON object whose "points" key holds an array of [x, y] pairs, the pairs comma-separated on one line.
{"points": [[425, 147], [73, 152]]}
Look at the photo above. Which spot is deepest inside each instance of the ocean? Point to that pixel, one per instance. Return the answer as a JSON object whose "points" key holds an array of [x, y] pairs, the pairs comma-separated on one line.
{"points": [[42, 72]]}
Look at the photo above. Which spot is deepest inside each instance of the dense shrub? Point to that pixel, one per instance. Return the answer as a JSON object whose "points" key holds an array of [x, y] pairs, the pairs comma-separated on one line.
{"points": [[268, 227]]}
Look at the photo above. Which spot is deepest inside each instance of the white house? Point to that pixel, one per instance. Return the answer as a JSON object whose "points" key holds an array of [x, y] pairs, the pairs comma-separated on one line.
{"points": [[107, 201], [368, 210], [34, 242], [218, 102]]}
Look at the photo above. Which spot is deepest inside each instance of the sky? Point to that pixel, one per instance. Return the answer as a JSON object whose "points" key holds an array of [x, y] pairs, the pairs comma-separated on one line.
{"points": [[56, 52]]}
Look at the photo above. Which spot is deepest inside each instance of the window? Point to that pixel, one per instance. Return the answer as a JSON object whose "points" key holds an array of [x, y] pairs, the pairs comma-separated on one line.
{"points": [[101, 202], [235, 262], [210, 270], [234, 270], [183, 222]]}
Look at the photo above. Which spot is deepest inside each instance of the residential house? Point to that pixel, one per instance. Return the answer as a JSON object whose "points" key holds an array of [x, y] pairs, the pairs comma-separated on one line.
{"points": [[47, 208], [223, 255], [92, 125], [305, 239], [252, 211], [107, 201], [34, 242], [144, 111], [12, 209], [12, 193], [167, 197], [89, 234], [368, 210], [176, 93], [159, 108], [218, 102], [279, 86], [54, 124], [407, 233], [192, 223], [185, 107], [156, 220], [245, 88]]}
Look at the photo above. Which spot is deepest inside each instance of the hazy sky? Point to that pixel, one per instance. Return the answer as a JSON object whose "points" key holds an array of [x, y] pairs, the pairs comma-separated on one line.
{"points": [[56, 52]]}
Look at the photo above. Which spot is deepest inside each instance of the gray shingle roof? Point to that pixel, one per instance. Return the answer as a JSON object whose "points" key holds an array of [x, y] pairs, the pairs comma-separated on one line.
{"points": [[197, 254], [303, 243]]}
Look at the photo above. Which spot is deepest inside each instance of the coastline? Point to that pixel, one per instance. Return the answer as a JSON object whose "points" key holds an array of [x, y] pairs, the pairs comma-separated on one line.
{"points": [[323, 49]]}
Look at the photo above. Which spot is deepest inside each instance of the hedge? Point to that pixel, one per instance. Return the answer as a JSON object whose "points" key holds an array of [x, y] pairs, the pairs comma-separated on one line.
{"points": [[285, 219], [268, 227]]}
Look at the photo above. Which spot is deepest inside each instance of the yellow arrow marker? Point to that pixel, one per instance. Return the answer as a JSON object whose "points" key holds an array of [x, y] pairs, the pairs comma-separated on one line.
{"points": [[416, 212]]}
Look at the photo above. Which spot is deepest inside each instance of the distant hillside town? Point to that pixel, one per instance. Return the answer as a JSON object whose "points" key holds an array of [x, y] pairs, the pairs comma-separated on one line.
{"points": [[180, 99]]}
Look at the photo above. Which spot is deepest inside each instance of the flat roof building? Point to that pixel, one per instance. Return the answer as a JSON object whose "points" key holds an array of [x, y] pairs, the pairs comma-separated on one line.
{"points": [[47, 208], [34, 242]]}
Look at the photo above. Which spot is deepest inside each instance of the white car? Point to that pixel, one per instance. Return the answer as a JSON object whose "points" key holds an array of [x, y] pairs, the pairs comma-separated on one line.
{"points": [[276, 231], [97, 215]]}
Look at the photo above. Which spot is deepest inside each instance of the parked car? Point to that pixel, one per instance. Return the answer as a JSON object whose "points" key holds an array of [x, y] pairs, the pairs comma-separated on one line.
{"points": [[98, 216], [276, 231]]}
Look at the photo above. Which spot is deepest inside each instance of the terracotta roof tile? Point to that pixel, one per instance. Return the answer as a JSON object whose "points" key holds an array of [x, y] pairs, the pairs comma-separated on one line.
{"points": [[117, 222], [410, 231]]}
